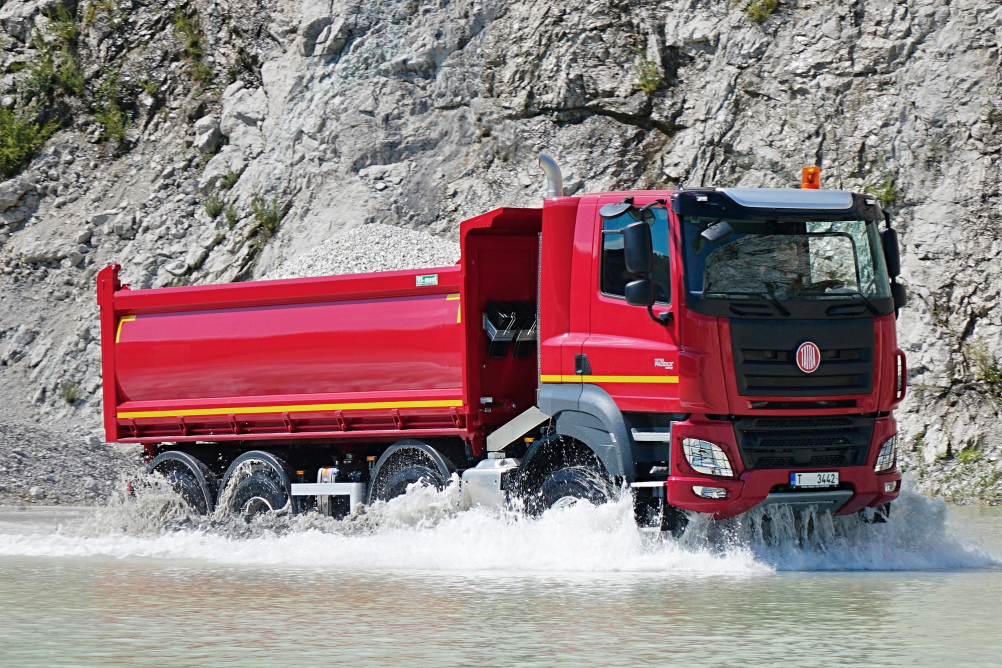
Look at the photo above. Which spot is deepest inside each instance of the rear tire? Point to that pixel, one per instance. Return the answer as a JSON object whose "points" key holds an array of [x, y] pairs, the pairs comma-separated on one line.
{"points": [[395, 483], [259, 492], [569, 485], [186, 485]]}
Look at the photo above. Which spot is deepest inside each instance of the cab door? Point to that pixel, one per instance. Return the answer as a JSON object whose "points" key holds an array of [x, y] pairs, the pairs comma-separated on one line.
{"points": [[629, 354]]}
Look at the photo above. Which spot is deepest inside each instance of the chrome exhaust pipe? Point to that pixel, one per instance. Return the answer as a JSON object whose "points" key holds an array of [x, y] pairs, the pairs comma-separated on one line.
{"points": [[554, 179]]}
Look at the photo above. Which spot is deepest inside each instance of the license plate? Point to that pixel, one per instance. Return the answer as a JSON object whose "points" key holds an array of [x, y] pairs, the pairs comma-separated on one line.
{"points": [[821, 479]]}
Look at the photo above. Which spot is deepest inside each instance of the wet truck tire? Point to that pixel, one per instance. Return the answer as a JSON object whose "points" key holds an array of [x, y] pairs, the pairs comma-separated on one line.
{"points": [[189, 478], [187, 487], [395, 482], [569, 485], [258, 492]]}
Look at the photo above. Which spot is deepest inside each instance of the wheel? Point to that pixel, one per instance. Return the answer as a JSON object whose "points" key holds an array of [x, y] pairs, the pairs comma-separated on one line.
{"points": [[186, 485], [258, 492], [878, 515], [190, 478], [394, 481], [673, 520], [565, 487]]}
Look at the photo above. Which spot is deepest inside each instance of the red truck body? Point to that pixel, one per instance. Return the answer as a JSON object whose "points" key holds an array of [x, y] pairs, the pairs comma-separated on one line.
{"points": [[359, 362]]}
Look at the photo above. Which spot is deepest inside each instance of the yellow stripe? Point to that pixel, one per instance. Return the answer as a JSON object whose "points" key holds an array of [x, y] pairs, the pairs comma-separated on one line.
{"points": [[299, 408], [608, 379], [459, 311], [125, 319]]}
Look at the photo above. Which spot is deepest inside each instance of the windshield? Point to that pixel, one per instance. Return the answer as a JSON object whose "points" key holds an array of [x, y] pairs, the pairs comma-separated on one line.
{"points": [[786, 260]]}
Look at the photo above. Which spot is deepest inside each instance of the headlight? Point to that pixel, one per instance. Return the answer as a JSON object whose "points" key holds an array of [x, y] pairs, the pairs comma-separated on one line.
{"points": [[706, 457], [888, 454]]}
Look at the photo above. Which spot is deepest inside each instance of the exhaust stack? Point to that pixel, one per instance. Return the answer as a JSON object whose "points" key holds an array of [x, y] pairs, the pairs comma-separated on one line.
{"points": [[554, 179]]}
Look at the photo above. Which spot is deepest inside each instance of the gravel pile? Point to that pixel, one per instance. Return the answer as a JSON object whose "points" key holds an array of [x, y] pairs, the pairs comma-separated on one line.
{"points": [[371, 248], [38, 465]]}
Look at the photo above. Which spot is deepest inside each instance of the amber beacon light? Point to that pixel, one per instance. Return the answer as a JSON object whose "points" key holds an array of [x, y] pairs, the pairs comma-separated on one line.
{"points": [[811, 178]]}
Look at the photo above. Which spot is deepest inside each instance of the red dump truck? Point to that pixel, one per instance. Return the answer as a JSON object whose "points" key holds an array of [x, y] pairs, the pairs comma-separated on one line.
{"points": [[713, 349]]}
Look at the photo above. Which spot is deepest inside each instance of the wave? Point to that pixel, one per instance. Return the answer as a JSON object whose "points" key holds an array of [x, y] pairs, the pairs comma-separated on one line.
{"points": [[426, 530]]}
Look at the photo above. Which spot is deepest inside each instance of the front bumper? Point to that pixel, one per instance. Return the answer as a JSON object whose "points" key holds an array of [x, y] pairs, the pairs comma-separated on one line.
{"points": [[754, 486], [865, 488]]}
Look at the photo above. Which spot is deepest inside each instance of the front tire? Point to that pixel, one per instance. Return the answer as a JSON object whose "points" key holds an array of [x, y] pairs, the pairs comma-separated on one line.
{"points": [[567, 486]]}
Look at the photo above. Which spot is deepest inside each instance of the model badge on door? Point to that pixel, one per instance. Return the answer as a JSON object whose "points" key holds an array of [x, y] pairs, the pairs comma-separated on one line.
{"points": [[660, 363]]}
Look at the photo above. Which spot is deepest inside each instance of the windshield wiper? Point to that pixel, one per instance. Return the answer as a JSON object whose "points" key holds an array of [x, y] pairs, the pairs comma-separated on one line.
{"points": [[769, 290], [850, 293], [767, 295]]}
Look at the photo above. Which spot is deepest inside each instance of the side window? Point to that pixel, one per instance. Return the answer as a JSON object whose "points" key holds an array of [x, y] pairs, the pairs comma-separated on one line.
{"points": [[614, 274]]}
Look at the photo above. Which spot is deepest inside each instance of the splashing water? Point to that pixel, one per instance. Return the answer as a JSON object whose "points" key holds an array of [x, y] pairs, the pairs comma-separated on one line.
{"points": [[426, 529]]}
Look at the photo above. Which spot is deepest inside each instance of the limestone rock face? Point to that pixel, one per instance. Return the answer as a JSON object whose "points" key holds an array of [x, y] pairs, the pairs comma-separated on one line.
{"points": [[341, 113]]}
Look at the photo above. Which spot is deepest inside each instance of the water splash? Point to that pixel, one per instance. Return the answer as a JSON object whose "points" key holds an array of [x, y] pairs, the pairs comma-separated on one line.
{"points": [[426, 530]]}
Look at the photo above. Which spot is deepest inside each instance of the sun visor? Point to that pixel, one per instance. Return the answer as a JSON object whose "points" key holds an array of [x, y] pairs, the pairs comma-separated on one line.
{"points": [[790, 198]]}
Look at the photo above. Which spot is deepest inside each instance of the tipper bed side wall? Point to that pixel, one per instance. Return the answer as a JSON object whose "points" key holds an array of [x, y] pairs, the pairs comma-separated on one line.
{"points": [[283, 359], [377, 357]]}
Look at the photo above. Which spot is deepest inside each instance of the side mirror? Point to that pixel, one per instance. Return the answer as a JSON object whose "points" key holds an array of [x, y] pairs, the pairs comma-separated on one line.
{"points": [[638, 248], [892, 253], [640, 292], [898, 293]]}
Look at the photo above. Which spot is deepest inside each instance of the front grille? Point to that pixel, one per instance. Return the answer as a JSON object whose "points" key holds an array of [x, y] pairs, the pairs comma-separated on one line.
{"points": [[835, 422], [826, 461], [765, 357], [795, 442], [804, 443]]}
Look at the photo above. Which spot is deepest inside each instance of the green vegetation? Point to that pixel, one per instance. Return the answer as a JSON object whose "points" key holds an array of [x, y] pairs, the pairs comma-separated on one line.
{"points": [[70, 392], [97, 8], [759, 10], [187, 32], [886, 192], [108, 110], [148, 84], [231, 215], [53, 66], [229, 179], [969, 456], [986, 368], [648, 75], [20, 139], [213, 205], [268, 213], [63, 25]]}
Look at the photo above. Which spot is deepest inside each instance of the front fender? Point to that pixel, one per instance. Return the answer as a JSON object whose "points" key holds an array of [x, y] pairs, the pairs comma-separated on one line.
{"points": [[589, 415]]}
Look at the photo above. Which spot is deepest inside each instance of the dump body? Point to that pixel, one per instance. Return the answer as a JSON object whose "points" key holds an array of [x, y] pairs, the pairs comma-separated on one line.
{"points": [[329, 357]]}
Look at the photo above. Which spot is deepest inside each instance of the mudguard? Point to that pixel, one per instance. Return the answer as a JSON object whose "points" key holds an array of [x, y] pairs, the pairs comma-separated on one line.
{"points": [[206, 480], [445, 467], [588, 414]]}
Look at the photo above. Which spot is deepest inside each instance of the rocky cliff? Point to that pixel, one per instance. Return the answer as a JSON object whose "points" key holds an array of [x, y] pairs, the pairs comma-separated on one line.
{"points": [[210, 140]]}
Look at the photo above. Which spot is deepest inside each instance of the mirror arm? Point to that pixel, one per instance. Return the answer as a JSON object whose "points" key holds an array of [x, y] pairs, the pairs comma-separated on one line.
{"points": [[665, 318]]}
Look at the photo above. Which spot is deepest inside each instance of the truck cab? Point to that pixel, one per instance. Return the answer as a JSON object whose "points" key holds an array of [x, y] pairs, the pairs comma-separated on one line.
{"points": [[735, 346]]}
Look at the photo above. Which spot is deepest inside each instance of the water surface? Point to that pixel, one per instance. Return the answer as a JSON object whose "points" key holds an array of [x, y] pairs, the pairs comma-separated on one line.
{"points": [[418, 583]]}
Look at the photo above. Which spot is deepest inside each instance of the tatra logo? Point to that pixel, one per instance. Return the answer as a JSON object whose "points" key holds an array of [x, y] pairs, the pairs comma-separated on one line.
{"points": [[808, 357], [660, 363]]}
